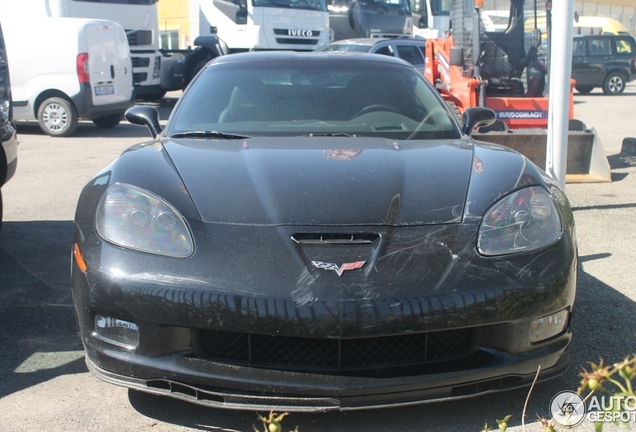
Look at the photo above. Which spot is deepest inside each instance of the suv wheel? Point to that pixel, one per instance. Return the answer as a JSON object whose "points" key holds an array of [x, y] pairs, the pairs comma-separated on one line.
{"points": [[584, 89], [614, 84], [57, 117]]}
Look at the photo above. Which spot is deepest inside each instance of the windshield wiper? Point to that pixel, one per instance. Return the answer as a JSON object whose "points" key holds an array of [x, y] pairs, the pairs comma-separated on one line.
{"points": [[208, 134], [336, 134]]}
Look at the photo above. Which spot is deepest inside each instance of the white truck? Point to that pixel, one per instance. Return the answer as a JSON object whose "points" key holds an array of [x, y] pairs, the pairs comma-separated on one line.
{"points": [[139, 18], [227, 26], [88, 74], [431, 18]]}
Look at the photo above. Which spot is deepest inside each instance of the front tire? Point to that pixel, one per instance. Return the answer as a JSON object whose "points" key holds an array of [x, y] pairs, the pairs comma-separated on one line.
{"points": [[614, 84], [109, 121], [57, 117]]}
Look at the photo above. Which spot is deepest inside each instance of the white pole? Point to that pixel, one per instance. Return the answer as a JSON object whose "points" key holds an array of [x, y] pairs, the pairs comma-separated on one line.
{"points": [[559, 88]]}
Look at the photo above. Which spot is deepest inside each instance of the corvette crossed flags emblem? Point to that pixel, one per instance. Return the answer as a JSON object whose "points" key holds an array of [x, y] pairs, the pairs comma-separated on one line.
{"points": [[338, 270]]}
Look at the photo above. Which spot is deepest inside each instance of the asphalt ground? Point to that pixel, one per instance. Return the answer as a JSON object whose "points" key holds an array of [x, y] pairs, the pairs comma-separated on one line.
{"points": [[44, 383]]}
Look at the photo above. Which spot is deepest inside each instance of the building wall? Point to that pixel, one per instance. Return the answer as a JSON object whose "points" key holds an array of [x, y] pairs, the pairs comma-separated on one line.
{"points": [[175, 18], [623, 11]]}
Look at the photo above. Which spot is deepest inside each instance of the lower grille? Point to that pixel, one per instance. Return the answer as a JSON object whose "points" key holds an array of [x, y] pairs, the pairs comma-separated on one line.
{"points": [[140, 62], [335, 356], [292, 41], [140, 77]]}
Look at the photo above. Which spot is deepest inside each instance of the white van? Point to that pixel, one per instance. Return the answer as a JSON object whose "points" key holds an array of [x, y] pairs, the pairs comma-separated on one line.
{"points": [[84, 72]]}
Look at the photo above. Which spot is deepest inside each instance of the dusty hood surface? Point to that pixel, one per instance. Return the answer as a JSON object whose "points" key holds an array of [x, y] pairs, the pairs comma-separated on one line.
{"points": [[325, 181]]}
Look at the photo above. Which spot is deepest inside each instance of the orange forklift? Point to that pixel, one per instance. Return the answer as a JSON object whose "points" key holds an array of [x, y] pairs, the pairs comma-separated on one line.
{"points": [[506, 70]]}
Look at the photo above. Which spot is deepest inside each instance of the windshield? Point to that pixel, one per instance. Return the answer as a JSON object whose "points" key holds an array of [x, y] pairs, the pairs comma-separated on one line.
{"points": [[335, 46], [319, 5], [312, 97], [402, 4]]}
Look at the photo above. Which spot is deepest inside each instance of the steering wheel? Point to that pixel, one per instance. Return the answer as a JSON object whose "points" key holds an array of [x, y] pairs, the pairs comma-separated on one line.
{"points": [[375, 107]]}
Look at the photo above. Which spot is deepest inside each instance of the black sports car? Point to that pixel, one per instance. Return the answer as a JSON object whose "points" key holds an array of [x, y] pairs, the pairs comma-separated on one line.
{"points": [[314, 231]]}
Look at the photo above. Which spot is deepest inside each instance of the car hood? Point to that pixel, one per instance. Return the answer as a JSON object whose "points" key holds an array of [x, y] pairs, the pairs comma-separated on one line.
{"points": [[325, 181]]}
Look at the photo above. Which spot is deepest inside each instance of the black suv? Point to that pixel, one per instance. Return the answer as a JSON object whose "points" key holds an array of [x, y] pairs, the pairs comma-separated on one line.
{"points": [[606, 61]]}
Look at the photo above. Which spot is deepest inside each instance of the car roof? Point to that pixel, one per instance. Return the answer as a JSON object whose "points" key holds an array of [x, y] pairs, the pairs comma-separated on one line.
{"points": [[375, 41], [273, 56]]}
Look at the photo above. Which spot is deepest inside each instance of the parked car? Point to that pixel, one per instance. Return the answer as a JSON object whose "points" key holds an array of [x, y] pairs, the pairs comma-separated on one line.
{"points": [[606, 61], [411, 50], [8, 136], [88, 75], [314, 231]]}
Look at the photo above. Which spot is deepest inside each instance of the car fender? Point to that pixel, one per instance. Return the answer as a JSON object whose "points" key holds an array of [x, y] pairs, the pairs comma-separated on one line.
{"points": [[146, 165]]}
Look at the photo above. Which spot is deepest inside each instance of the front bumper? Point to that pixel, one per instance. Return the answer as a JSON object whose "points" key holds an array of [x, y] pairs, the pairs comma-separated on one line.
{"points": [[245, 388], [86, 109], [489, 302]]}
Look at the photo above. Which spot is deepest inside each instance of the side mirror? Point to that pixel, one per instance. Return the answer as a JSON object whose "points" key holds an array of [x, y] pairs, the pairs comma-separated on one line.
{"points": [[144, 115], [241, 15], [476, 117], [423, 21]]}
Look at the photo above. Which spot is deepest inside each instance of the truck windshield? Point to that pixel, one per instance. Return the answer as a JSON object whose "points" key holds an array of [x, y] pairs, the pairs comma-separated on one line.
{"points": [[440, 7], [318, 5], [403, 4], [130, 2]]}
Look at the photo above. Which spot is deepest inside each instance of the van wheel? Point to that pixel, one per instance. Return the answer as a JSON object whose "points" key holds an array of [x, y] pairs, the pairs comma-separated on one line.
{"points": [[614, 84], [584, 89], [109, 121], [57, 117]]}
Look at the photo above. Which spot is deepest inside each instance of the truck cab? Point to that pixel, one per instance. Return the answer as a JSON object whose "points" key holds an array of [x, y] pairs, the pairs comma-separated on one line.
{"points": [[264, 25], [368, 18]]}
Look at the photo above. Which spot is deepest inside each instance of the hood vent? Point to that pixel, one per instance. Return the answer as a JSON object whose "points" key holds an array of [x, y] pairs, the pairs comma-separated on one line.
{"points": [[335, 238]]}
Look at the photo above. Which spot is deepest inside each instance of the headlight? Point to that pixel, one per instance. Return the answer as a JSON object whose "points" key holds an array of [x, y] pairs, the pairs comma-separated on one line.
{"points": [[137, 219], [522, 221]]}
